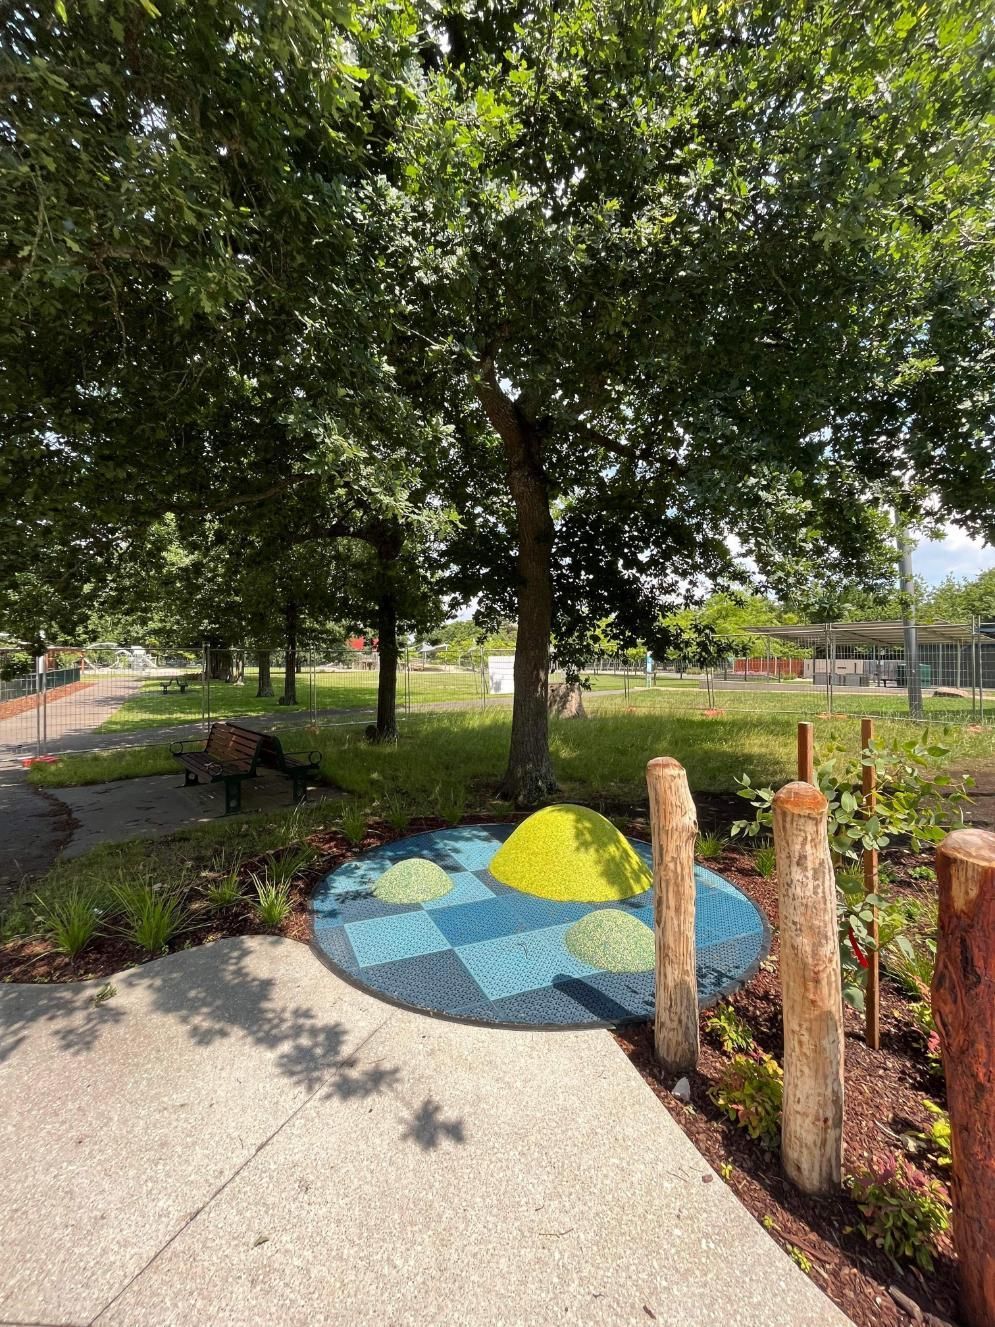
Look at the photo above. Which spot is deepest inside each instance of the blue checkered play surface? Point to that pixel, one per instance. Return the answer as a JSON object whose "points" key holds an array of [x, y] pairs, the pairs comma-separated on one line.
{"points": [[490, 954]]}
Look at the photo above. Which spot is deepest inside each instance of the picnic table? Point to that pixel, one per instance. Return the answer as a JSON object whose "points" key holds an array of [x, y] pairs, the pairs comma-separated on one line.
{"points": [[180, 683]]}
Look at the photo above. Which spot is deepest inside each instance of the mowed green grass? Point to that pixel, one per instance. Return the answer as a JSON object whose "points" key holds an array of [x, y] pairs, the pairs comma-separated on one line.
{"points": [[599, 761], [345, 690]]}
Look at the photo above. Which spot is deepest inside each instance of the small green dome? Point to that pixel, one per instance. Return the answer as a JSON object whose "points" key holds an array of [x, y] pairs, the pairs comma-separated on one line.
{"points": [[612, 940], [416, 880]]}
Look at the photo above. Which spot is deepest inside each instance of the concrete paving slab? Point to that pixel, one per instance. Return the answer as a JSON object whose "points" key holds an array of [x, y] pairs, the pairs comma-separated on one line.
{"points": [[238, 1136], [34, 826], [160, 804]]}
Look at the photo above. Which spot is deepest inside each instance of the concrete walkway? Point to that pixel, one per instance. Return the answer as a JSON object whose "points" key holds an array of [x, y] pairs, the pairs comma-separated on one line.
{"points": [[238, 1137]]}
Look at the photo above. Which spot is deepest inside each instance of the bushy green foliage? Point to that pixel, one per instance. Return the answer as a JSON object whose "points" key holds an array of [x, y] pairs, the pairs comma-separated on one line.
{"points": [[937, 1135], [71, 920], [765, 860], [272, 901], [903, 1210], [283, 866], [732, 1032], [750, 1092], [225, 890], [709, 846], [151, 914], [449, 802], [352, 822]]}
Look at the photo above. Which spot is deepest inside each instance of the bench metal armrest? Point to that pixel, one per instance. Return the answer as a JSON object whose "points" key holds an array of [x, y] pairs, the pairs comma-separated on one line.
{"points": [[313, 756], [176, 748]]}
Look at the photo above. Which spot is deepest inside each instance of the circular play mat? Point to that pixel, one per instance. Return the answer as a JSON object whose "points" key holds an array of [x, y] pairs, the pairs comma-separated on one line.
{"points": [[426, 923]]}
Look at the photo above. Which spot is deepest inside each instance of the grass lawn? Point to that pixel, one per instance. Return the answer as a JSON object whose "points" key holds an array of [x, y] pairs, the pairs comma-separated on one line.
{"points": [[452, 762]]}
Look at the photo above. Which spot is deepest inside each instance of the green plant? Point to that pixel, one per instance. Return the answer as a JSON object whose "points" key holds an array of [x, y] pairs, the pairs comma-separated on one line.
{"points": [[903, 1209], [105, 993], [765, 860], [856, 911], [749, 1092], [282, 867], [152, 914], [911, 965], [450, 802], [937, 1136], [71, 920], [272, 900], [916, 799], [353, 824], [396, 812], [799, 1259], [726, 1170], [731, 1031], [225, 891], [710, 846], [923, 873]]}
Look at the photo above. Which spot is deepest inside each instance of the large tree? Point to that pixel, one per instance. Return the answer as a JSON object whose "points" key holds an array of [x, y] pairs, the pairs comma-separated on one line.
{"points": [[696, 272]]}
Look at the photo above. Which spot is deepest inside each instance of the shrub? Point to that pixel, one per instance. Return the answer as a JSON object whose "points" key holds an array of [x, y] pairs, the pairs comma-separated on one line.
{"points": [[353, 824], [70, 921], [765, 860], [710, 846], [903, 1210], [731, 1031], [396, 812], [750, 1093], [273, 901], [937, 1135], [153, 915]]}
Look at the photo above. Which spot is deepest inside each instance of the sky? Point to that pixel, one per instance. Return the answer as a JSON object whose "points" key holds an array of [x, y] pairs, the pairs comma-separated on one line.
{"points": [[956, 555]]}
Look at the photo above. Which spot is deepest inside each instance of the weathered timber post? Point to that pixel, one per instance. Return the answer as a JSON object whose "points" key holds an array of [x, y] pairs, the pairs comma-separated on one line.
{"points": [[674, 825], [811, 991], [806, 753], [964, 1009], [872, 1000]]}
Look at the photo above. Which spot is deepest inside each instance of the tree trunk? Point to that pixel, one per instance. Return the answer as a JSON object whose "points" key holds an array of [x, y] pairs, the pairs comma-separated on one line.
{"points": [[386, 727], [289, 696], [529, 776], [222, 665], [965, 1020], [265, 686]]}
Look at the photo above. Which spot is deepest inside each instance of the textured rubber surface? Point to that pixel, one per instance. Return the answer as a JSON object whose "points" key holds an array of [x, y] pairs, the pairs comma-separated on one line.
{"points": [[486, 953]]}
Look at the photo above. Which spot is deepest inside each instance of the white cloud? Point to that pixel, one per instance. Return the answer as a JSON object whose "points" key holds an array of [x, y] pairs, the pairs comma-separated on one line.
{"points": [[956, 554]]}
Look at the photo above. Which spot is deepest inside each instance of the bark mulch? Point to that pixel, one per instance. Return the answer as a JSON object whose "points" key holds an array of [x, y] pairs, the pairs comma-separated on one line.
{"points": [[884, 1092]]}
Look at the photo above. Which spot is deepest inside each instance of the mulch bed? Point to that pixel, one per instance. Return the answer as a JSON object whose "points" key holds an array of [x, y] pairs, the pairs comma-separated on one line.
{"points": [[884, 1090], [8, 708], [883, 1101]]}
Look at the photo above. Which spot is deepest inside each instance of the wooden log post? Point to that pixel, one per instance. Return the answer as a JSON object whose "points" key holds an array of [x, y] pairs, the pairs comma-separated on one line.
{"points": [[674, 825], [872, 998], [811, 991], [964, 1010], [806, 753]]}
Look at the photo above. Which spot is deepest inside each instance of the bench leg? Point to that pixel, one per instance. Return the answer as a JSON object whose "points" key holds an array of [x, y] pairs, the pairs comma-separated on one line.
{"points": [[300, 788], [189, 777], [233, 796]]}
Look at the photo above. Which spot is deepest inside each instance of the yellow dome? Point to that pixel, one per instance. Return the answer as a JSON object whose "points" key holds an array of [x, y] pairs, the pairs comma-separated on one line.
{"points": [[572, 854]]}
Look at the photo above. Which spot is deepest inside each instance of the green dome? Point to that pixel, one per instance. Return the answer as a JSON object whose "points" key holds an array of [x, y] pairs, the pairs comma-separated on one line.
{"points": [[612, 940], [416, 880], [572, 854]]}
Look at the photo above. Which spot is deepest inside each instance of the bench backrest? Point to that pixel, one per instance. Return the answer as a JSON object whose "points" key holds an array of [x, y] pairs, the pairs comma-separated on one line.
{"points": [[271, 752], [231, 744]]}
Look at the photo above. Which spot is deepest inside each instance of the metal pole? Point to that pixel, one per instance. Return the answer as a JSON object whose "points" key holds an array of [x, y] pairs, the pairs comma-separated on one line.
{"points": [[38, 664], [44, 703], [907, 585]]}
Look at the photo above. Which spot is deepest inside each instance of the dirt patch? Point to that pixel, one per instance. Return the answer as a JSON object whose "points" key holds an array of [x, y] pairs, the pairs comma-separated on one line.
{"points": [[884, 1092]]}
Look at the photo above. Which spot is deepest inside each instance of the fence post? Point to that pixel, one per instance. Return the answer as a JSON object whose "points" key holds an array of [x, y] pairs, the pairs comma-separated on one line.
{"points": [[964, 1009], [872, 1001], [811, 991], [806, 753], [674, 827]]}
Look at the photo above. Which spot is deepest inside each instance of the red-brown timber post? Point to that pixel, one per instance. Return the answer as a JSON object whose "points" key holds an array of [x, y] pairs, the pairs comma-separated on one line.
{"points": [[806, 753], [964, 1010]]}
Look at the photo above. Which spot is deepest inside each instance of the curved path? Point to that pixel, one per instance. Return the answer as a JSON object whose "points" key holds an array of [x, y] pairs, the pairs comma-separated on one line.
{"points": [[236, 1136]]}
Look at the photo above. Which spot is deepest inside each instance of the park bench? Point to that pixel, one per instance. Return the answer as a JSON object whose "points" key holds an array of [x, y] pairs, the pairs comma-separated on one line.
{"points": [[181, 684], [289, 763], [230, 754]]}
